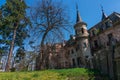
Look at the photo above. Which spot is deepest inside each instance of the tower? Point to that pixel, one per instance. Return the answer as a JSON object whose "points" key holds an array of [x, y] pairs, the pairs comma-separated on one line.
{"points": [[80, 26], [81, 33]]}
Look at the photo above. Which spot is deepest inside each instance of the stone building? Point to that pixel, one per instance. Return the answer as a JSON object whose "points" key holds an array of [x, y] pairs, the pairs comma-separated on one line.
{"points": [[98, 47], [73, 53], [57, 57], [105, 45], [78, 45]]}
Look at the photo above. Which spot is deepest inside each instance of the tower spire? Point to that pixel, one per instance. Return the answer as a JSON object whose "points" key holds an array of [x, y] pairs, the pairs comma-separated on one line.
{"points": [[104, 16], [78, 18]]}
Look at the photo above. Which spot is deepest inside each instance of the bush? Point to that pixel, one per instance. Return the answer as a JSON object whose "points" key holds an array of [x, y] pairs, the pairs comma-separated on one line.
{"points": [[13, 69]]}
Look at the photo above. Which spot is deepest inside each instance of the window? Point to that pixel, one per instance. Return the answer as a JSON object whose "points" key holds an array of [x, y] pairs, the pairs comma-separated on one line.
{"points": [[77, 48], [86, 57], [73, 61], [93, 32], [72, 51], [78, 61], [68, 52], [114, 18], [101, 29], [109, 37], [82, 31], [103, 26], [96, 43], [84, 44], [108, 24]]}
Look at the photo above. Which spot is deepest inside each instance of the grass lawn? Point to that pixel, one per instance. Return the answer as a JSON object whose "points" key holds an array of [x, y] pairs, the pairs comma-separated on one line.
{"points": [[61, 74]]}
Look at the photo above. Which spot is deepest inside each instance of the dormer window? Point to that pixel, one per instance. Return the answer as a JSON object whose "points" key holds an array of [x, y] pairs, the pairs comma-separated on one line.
{"points": [[108, 24], [103, 26]]}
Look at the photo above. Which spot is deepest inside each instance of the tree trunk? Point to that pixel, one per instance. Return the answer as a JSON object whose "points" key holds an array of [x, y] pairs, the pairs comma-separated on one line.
{"points": [[42, 55], [11, 50]]}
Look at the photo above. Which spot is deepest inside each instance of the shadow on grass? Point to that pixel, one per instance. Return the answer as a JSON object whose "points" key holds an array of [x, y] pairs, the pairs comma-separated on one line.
{"points": [[96, 75]]}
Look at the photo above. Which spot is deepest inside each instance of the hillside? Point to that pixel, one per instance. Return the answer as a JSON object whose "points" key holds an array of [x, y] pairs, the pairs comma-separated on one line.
{"points": [[61, 74]]}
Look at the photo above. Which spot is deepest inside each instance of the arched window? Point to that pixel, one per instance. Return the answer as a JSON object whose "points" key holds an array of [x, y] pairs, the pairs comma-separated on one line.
{"points": [[82, 31]]}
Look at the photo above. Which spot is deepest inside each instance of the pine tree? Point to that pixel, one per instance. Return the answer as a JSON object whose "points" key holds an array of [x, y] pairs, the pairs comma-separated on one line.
{"points": [[14, 24]]}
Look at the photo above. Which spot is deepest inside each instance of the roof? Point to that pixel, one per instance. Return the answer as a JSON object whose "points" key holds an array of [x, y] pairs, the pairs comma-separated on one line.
{"points": [[113, 17]]}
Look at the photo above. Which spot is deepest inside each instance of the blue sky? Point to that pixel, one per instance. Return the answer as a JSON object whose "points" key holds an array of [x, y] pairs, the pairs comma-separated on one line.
{"points": [[90, 10]]}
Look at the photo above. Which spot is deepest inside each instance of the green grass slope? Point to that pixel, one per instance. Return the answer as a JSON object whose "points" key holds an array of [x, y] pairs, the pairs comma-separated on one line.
{"points": [[61, 74]]}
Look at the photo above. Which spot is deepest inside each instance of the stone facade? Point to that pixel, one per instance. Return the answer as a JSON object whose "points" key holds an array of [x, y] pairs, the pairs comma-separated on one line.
{"points": [[57, 57], [117, 60], [54, 56], [105, 39]]}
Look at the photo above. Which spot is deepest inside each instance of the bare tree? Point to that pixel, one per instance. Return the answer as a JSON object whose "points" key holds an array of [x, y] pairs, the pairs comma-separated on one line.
{"points": [[25, 60], [50, 21]]}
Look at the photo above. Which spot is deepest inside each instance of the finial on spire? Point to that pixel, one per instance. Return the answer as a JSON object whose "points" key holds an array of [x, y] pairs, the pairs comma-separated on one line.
{"points": [[78, 19], [102, 8], [76, 6], [104, 16]]}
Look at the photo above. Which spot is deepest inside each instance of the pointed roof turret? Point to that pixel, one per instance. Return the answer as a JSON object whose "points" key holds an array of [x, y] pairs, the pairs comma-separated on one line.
{"points": [[78, 18], [104, 16], [79, 21]]}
